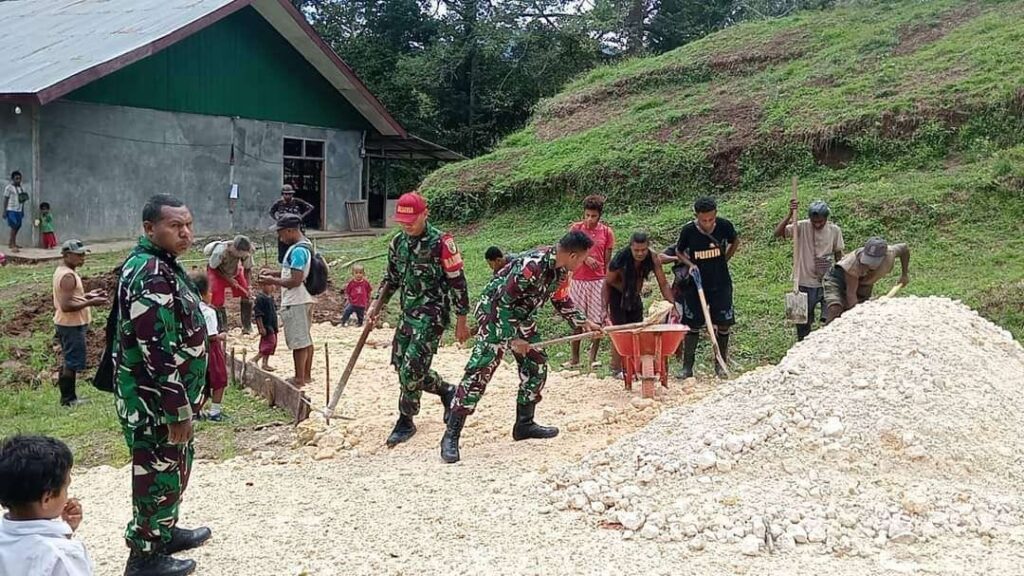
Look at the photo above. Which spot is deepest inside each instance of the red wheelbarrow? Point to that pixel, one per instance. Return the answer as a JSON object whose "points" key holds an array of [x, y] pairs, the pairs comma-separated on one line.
{"points": [[645, 353]]}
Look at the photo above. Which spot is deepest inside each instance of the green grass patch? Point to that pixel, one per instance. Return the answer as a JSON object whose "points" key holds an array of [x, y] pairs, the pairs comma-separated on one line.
{"points": [[30, 401], [94, 434]]}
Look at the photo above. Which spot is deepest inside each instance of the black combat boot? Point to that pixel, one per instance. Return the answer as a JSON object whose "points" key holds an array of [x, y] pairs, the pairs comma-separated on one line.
{"points": [[450, 440], [245, 311], [66, 383], [526, 428], [689, 355], [723, 349], [157, 564], [404, 429], [447, 396], [184, 539]]}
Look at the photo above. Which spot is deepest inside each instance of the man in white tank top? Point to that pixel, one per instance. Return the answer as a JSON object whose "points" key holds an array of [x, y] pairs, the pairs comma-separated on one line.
{"points": [[71, 316]]}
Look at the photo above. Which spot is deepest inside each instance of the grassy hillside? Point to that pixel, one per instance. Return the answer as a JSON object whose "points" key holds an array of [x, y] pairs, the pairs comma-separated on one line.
{"points": [[905, 116], [884, 83]]}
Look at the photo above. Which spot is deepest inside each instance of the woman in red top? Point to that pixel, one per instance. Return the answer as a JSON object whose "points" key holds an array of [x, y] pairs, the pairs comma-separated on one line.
{"points": [[588, 280]]}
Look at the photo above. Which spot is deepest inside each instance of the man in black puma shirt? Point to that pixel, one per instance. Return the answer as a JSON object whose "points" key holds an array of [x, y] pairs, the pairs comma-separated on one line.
{"points": [[707, 243]]}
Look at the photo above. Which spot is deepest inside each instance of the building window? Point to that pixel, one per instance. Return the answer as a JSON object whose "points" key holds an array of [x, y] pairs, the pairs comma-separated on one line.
{"points": [[304, 170], [299, 148], [293, 147]]}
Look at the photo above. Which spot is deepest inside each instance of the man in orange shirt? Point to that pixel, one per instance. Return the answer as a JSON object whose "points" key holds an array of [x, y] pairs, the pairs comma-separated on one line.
{"points": [[71, 317]]}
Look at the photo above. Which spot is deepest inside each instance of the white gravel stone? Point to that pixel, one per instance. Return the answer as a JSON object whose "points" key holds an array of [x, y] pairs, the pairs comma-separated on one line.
{"points": [[696, 544], [707, 459], [631, 520], [649, 531], [797, 532], [832, 427], [750, 545]]}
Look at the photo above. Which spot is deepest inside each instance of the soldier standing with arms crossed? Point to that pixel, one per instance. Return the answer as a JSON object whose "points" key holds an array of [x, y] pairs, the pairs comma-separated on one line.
{"points": [[425, 264]]}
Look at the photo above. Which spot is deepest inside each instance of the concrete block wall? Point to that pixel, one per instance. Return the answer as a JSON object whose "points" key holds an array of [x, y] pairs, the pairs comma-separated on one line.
{"points": [[16, 154], [100, 163]]}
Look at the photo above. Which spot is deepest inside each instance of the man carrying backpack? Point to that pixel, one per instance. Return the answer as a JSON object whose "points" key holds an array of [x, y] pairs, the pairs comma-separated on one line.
{"points": [[296, 300]]}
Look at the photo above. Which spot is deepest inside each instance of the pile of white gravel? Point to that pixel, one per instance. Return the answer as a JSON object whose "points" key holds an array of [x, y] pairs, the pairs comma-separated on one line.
{"points": [[898, 425]]}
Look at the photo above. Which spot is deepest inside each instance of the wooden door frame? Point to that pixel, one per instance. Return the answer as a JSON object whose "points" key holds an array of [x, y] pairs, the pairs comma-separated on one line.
{"points": [[323, 170]]}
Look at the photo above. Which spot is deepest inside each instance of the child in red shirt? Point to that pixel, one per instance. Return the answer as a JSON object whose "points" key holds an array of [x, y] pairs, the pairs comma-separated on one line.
{"points": [[357, 292]]}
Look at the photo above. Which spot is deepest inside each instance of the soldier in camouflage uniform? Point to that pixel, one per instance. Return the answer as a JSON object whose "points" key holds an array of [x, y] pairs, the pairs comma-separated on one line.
{"points": [[160, 358], [505, 315], [425, 265]]}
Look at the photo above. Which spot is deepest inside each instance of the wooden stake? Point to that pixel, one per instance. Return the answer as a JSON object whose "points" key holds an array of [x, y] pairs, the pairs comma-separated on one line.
{"points": [[327, 358], [343, 381]]}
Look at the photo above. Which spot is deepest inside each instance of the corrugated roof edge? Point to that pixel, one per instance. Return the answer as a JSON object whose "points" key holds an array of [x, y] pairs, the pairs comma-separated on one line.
{"points": [[384, 123]]}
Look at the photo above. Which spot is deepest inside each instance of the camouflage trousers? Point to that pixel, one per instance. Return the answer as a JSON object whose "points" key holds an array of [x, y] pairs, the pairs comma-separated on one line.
{"points": [[485, 359], [160, 472], [412, 352]]}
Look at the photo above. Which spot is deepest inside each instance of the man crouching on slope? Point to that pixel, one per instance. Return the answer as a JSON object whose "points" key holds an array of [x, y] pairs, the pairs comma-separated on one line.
{"points": [[426, 265], [506, 318]]}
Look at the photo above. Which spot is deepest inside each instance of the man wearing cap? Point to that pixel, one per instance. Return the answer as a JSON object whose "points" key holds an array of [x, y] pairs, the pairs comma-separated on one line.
{"points": [[230, 266], [852, 279], [289, 204], [425, 264], [71, 316], [821, 245], [296, 313]]}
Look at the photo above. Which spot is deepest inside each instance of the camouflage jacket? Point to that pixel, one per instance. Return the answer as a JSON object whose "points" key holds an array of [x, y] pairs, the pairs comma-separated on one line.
{"points": [[512, 298], [160, 348], [428, 273]]}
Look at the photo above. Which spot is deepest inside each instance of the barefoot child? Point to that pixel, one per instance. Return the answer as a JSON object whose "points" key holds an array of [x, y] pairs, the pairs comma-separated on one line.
{"points": [[37, 533], [266, 322], [217, 371], [357, 291]]}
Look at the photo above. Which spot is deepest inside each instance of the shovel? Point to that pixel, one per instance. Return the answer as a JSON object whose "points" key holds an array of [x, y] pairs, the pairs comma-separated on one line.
{"points": [[796, 301], [655, 318], [367, 328], [895, 290], [707, 320]]}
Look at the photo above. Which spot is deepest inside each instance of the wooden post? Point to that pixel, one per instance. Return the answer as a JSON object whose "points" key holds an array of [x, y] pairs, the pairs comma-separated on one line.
{"points": [[327, 358], [245, 364], [234, 376]]}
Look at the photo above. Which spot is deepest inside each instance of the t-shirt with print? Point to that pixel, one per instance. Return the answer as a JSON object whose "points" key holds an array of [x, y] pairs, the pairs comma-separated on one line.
{"points": [[358, 292], [817, 251], [708, 255], [603, 239], [852, 265], [11, 201], [297, 257]]}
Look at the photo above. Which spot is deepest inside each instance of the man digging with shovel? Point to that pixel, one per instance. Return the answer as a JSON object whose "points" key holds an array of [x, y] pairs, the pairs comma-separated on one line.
{"points": [[426, 265], [707, 243], [505, 316], [820, 245]]}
